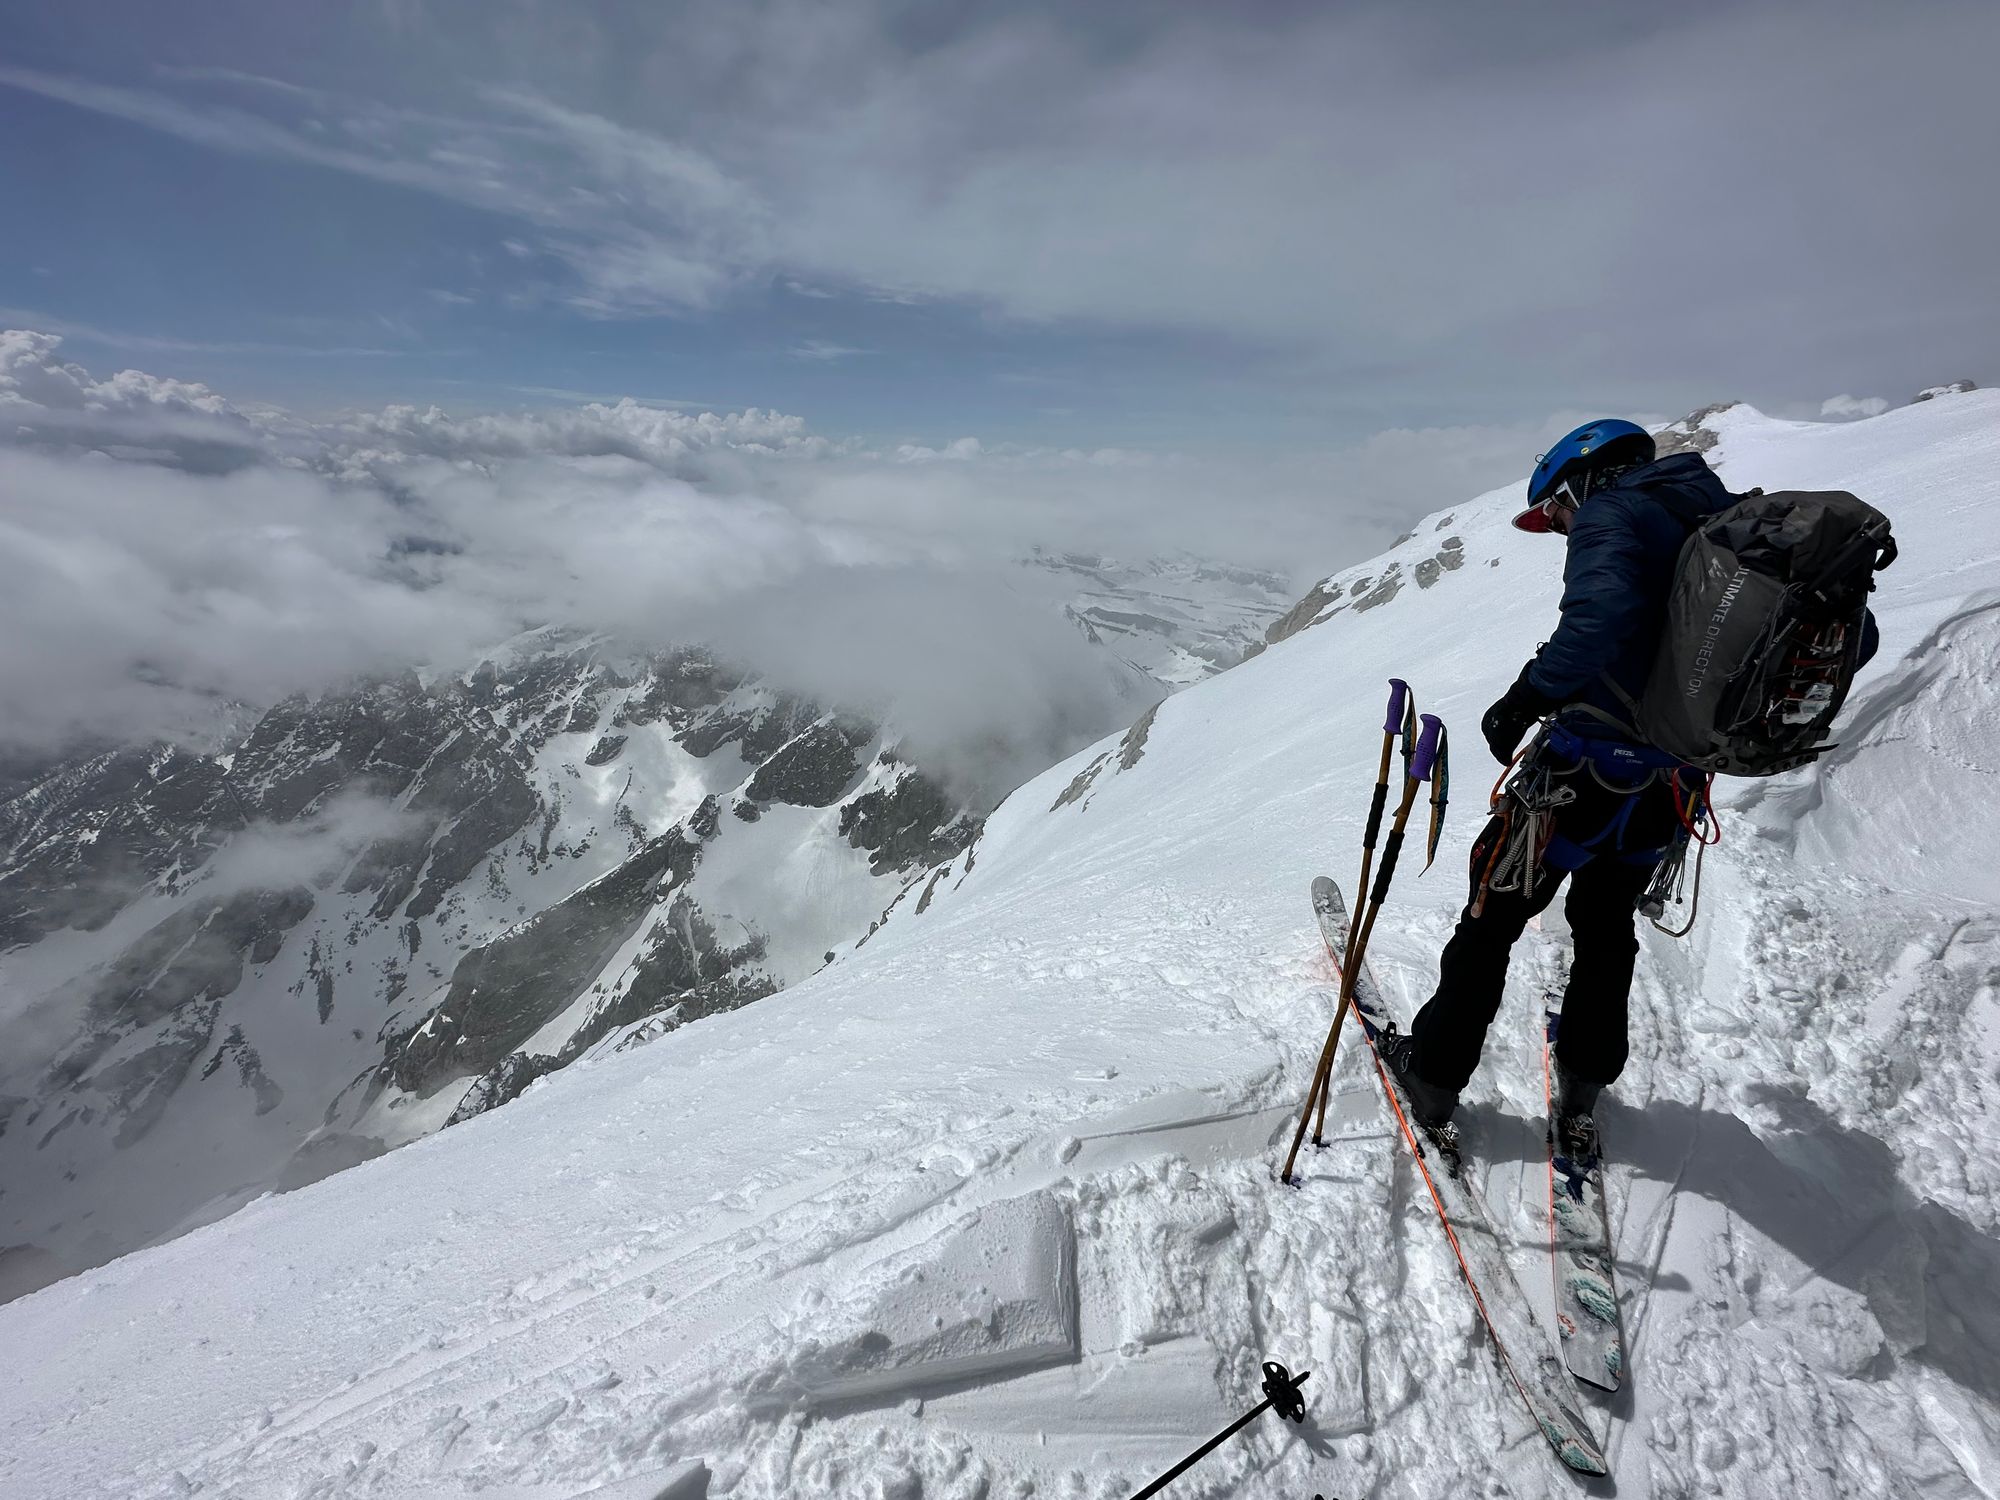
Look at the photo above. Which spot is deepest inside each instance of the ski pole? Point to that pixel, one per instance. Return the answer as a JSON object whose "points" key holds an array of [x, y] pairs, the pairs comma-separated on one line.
{"points": [[1281, 1389], [1400, 719], [1421, 768], [1418, 771]]}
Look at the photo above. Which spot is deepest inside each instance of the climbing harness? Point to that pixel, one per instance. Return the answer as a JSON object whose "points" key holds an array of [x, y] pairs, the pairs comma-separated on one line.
{"points": [[1536, 786]]}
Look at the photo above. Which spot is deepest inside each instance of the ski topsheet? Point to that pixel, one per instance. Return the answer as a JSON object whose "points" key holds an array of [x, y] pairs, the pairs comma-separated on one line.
{"points": [[1526, 1353], [1580, 1249]]}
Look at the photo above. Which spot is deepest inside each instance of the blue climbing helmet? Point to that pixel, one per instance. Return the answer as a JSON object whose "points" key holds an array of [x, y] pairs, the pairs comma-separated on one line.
{"points": [[1562, 475]]}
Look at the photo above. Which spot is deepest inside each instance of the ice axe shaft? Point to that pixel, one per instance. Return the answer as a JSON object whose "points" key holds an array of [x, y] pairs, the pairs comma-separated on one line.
{"points": [[1360, 929]]}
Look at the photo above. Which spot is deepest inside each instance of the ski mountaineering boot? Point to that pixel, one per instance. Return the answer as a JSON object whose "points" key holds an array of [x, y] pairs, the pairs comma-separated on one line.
{"points": [[1573, 1103], [1431, 1105]]}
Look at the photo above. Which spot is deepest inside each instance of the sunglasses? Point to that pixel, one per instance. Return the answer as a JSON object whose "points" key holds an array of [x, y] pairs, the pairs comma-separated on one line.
{"points": [[1560, 504]]}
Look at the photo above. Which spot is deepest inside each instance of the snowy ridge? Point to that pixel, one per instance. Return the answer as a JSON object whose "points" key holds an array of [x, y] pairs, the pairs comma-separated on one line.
{"points": [[987, 1208]]}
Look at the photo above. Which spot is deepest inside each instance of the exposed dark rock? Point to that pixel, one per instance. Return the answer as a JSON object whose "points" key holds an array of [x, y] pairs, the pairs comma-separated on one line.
{"points": [[930, 888], [503, 993], [748, 811], [249, 1068], [1081, 783], [909, 824], [1450, 558], [813, 769], [682, 975], [141, 1086], [1300, 615], [501, 1084], [1692, 433], [1385, 589], [87, 839], [1133, 747], [1953, 388], [759, 727], [705, 820], [606, 750], [490, 802], [195, 954], [682, 683], [1127, 622]]}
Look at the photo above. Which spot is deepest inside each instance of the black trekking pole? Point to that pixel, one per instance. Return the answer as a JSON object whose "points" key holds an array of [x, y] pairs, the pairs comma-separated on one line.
{"points": [[1281, 1389]]}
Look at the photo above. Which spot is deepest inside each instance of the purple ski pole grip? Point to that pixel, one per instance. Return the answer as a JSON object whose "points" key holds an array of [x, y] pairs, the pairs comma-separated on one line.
{"points": [[1398, 691], [1427, 748]]}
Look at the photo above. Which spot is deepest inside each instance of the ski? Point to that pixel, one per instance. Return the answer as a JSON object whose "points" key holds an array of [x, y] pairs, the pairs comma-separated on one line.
{"points": [[1523, 1348], [1593, 1343]]}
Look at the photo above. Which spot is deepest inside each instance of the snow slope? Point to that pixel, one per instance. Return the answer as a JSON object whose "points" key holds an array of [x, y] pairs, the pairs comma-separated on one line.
{"points": [[985, 1208]]}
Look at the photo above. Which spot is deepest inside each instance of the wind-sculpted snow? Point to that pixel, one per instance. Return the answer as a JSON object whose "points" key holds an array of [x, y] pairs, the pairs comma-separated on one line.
{"points": [[660, 1264]]}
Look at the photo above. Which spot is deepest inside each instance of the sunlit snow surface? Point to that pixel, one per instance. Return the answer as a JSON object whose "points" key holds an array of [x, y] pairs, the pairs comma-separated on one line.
{"points": [[986, 1207]]}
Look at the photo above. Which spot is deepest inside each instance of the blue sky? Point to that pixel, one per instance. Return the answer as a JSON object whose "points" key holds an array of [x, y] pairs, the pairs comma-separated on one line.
{"points": [[1144, 225]]}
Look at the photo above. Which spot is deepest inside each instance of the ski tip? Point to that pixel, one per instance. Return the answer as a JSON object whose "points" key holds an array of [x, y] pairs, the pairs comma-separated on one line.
{"points": [[1579, 1453]]}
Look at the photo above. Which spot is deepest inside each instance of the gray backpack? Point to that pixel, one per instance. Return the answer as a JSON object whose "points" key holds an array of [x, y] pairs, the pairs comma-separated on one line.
{"points": [[1763, 631]]}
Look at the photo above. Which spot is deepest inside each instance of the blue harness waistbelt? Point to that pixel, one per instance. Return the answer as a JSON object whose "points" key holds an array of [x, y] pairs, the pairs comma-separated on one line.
{"points": [[1615, 763]]}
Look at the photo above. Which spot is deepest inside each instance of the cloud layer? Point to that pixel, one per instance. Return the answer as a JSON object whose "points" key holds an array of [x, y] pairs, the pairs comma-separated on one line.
{"points": [[170, 552]]}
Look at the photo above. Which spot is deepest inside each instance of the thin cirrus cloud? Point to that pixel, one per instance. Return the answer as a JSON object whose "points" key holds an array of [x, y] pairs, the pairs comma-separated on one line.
{"points": [[1400, 197]]}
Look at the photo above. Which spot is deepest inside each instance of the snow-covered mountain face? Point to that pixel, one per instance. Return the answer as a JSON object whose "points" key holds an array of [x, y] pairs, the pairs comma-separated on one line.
{"points": [[1175, 620], [987, 1206], [375, 900], [359, 918]]}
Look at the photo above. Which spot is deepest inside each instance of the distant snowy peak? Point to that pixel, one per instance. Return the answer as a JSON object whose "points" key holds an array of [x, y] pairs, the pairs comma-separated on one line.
{"points": [[331, 927], [380, 896], [1177, 620]]}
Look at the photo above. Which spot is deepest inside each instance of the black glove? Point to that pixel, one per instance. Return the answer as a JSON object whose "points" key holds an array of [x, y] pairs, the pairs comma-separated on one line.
{"points": [[1507, 720]]}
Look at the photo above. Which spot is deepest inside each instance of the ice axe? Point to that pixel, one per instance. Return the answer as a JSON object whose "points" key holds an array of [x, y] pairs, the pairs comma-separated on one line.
{"points": [[1418, 770]]}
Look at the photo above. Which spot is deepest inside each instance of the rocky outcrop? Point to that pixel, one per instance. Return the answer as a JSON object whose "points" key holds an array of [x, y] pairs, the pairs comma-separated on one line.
{"points": [[1952, 388], [1372, 594], [907, 824], [87, 838], [1306, 612], [683, 974], [812, 769], [505, 1082], [504, 992], [1449, 559], [435, 847], [756, 722], [1693, 433]]}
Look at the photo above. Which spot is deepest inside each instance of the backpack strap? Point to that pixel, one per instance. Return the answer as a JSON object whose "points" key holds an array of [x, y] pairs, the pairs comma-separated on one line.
{"points": [[1612, 721]]}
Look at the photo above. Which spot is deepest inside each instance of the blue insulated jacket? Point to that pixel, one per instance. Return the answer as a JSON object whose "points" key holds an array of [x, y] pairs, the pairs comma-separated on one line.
{"points": [[1623, 544]]}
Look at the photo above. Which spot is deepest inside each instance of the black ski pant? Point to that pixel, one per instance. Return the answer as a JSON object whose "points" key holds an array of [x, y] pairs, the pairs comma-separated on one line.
{"points": [[1625, 848]]}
